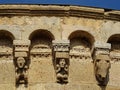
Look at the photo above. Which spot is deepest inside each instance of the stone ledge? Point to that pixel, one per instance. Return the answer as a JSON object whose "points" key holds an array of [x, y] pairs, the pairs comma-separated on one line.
{"points": [[57, 10]]}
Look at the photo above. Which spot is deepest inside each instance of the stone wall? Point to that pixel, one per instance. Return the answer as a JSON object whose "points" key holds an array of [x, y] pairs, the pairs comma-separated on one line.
{"points": [[42, 33]]}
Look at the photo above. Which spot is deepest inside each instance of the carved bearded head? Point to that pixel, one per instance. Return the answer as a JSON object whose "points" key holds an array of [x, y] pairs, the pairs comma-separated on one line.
{"points": [[20, 62], [102, 65]]}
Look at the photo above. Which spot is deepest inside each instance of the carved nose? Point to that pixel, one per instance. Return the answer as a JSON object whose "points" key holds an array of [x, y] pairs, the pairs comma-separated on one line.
{"points": [[100, 76]]}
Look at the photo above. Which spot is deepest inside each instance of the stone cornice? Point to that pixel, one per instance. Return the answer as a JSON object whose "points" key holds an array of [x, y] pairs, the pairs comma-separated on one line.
{"points": [[57, 10]]}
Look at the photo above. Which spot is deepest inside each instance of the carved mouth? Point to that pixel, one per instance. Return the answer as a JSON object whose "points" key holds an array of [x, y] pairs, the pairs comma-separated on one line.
{"points": [[21, 64]]}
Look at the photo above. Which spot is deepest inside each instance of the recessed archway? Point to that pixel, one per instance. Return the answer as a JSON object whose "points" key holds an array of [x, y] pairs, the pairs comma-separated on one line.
{"points": [[115, 41], [83, 36], [6, 40], [41, 36], [41, 56]]}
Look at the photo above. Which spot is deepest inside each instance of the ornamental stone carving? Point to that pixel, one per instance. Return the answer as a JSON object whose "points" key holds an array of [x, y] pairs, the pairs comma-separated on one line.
{"points": [[102, 62], [62, 70], [61, 45], [61, 60], [21, 60], [21, 71]]}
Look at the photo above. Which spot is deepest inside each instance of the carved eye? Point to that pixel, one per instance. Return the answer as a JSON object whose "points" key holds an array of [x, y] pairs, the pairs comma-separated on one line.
{"points": [[107, 61], [97, 60]]}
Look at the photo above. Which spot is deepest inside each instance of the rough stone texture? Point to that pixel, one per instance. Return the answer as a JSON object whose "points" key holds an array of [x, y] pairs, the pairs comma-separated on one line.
{"points": [[7, 75], [7, 86], [41, 71], [79, 69], [81, 26]]}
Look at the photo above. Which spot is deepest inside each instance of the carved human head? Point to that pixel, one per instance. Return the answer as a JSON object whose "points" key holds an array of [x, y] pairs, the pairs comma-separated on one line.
{"points": [[20, 62], [102, 65], [62, 62]]}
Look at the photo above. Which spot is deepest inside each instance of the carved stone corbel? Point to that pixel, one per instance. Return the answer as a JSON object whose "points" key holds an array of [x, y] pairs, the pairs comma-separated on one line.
{"points": [[21, 71], [21, 60], [102, 62], [61, 60]]}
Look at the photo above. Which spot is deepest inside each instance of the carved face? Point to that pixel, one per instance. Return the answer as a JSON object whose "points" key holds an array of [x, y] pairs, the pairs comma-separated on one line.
{"points": [[20, 62], [62, 63], [102, 65]]}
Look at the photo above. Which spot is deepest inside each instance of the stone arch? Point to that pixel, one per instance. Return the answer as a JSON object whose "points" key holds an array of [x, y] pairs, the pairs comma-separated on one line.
{"points": [[115, 41], [83, 35], [81, 44], [6, 39], [5, 33], [42, 33], [115, 47], [41, 56], [42, 36]]}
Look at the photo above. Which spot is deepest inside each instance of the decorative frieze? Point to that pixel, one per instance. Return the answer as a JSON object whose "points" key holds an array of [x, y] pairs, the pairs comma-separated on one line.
{"points": [[40, 49], [21, 45], [80, 53], [62, 45], [102, 48]]}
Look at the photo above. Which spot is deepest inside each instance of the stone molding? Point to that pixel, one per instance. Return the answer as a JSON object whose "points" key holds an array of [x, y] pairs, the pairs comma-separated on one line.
{"points": [[62, 45], [80, 53], [57, 10], [21, 48]]}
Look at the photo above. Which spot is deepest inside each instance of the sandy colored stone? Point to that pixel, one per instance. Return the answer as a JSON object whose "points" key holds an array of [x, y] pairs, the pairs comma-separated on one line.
{"points": [[23, 24]]}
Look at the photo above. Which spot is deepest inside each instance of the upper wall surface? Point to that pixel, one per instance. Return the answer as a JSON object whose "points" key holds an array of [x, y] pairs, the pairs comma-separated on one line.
{"points": [[61, 21]]}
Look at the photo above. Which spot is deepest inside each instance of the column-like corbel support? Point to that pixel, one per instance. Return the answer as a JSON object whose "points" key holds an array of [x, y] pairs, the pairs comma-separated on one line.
{"points": [[102, 64], [61, 60], [21, 61]]}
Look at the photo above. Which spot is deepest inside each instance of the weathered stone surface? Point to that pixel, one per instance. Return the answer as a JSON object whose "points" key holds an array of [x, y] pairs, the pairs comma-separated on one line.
{"points": [[41, 71], [7, 75], [7, 86], [33, 32]]}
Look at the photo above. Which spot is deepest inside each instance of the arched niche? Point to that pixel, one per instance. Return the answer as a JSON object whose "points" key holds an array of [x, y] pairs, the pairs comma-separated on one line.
{"points": [[41, 57], [81, 43], [115, 41], [42, 38], [115, 47], [82, 36], [6, 41], [6, 57]]}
